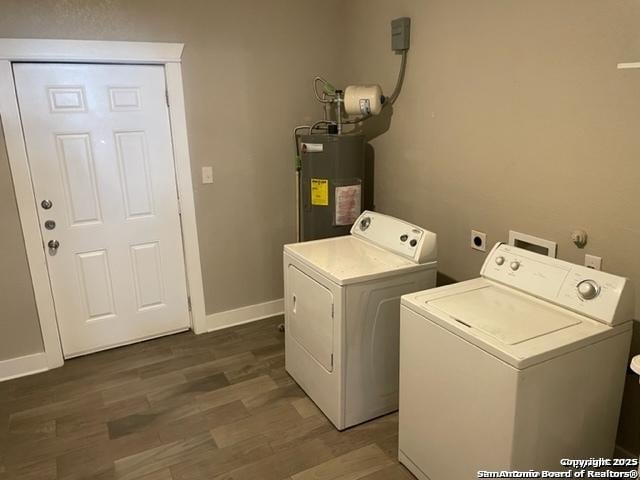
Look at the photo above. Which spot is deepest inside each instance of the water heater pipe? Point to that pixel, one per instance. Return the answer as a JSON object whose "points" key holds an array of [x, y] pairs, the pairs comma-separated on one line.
{"points": [[327, 91], [298, 166], [297, 205], [396, 90], [339, 102]]}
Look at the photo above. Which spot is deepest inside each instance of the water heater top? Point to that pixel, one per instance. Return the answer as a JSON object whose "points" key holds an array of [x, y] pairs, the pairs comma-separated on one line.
{"points": [[395, 235]]}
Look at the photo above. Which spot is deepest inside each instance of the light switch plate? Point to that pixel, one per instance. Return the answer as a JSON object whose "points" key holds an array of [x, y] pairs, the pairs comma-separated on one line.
{"points": [[207, 175]]}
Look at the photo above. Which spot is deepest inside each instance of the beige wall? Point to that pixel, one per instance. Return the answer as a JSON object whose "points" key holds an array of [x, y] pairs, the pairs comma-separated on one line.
{"points": [[19, 327], [513, 116], [247, 69]]}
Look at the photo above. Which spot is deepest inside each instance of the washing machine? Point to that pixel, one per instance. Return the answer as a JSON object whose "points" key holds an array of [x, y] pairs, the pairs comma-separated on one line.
{"points": [[342, 313], [514, 370]]}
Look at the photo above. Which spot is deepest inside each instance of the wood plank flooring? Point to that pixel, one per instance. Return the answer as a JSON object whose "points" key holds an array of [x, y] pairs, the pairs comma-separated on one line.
{"points": [[218, 406]]}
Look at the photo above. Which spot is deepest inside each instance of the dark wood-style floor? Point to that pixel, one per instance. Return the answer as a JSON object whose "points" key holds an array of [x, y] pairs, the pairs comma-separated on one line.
{"points": [[215, 406]]}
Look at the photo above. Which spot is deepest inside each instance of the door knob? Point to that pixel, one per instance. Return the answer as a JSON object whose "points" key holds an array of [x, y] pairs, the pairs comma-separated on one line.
{"points": [[53, 244], [46, 204]]}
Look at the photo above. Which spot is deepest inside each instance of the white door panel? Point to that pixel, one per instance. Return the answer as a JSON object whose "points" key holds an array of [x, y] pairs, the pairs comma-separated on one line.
{"points": [[311, 316], [99, 147]]}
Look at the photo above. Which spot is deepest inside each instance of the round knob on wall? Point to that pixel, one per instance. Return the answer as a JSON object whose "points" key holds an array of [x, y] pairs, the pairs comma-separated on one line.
{"points": [[588, 289], [579, 237], [515, 265]]}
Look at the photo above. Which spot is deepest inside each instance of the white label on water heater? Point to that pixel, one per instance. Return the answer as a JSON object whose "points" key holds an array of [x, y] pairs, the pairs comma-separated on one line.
{"points": [[365, 106], [348, 204], [312, 147]]}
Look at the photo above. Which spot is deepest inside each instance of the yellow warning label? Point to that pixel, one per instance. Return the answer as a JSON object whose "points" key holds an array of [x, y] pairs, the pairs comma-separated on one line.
{"points": [[319, 191]]}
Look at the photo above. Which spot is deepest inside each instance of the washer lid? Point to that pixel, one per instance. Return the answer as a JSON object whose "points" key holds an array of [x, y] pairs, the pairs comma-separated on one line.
{"points": [[517, 328], [508, 318], [349, 259]]}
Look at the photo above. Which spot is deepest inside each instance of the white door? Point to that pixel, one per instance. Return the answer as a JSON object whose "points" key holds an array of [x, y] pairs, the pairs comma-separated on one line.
{"points": [[99, 147], [311, 316]]}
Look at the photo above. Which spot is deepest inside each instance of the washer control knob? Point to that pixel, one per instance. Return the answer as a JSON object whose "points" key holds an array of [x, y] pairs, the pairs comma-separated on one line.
{"points": [[404, 237], [515, 265], [588, 289], [499, 260], [413, 242]]}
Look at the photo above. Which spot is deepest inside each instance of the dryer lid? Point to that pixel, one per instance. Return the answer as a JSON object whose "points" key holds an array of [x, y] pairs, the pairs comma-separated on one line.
{"points": [[508, 318]]}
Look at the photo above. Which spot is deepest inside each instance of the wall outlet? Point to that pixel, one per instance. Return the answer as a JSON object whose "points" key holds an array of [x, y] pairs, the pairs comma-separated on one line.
{"points": [[207, 175], [591, 261], [479, 240]]}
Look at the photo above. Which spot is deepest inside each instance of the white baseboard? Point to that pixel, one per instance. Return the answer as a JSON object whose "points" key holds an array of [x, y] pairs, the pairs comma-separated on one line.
{"points": [[238, 316], [621, 452], [21, 366]]}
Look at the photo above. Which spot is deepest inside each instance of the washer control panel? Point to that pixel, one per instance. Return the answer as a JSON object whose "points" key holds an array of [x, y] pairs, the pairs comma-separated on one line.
{"points": [[397, 236], [596, 294]]}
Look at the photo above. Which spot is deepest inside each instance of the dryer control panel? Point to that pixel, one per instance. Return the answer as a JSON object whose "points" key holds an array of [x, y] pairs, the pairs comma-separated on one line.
{"points": [[397, 236], [602, 296]]}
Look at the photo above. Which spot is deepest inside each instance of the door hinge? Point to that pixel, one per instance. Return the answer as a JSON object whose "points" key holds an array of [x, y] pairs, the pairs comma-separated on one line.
{"points": [[189, 303], [332, 311], [332, 361], [179, 207], [166, 96]]}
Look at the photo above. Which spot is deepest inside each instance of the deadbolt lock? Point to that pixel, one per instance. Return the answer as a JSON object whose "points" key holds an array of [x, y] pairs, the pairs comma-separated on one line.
{"points": [[49, 224], [46, 204]]}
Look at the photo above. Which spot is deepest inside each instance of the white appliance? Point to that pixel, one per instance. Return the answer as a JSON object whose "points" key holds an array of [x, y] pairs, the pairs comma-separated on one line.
{"points": [[342, 309], [514, 370], [635, 366]]}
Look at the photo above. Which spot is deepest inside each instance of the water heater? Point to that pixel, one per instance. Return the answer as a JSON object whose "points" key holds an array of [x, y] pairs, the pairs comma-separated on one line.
{"points": [[332, 183], [331, 187]]}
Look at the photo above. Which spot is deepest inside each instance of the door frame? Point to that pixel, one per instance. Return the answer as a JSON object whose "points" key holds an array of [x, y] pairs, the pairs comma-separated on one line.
{"points": [[91, 51]]}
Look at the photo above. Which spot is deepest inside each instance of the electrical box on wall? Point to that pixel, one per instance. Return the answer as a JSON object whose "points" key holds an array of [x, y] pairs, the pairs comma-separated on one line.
{"points": [[400, 29]]}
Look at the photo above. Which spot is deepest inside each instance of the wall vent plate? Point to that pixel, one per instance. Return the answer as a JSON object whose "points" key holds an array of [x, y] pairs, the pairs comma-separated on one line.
{"points": [[533, 244]]}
